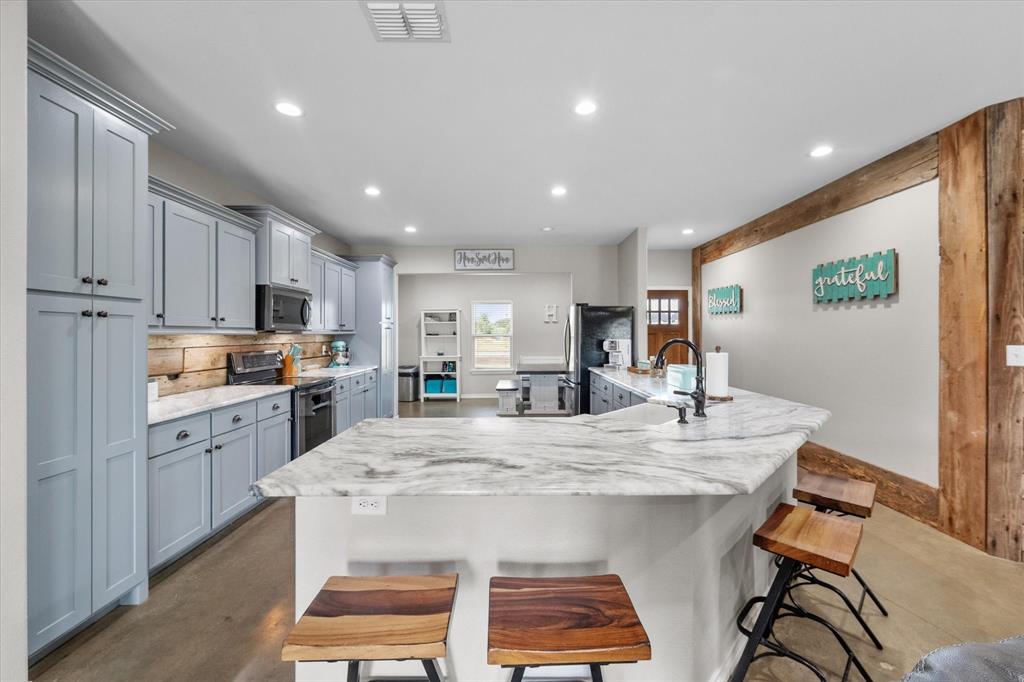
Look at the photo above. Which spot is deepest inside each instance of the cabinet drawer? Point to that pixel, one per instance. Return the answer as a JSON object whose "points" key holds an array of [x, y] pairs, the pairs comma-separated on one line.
{"points": [[371, 377], [177, 434], [235, 417], [273, 405], [358, 381], [342, 385]]}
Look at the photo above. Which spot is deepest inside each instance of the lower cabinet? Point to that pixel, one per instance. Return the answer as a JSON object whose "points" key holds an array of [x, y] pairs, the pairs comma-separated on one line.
{"points": [[273, 444], [179, 501], [234, 472], [370, 403], [342, 412], [636, 399]]}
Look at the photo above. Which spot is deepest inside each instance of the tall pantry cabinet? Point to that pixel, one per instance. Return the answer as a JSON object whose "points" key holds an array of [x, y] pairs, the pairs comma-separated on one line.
{"points": [[86, 350], [375, 341]]}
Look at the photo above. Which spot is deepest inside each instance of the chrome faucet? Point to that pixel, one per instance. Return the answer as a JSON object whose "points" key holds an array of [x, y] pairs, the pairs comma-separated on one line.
{"points": [[698, 395]]}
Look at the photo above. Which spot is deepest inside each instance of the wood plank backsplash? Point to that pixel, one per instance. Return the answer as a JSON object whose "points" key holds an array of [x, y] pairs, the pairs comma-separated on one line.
{"points": [[201, 360]]}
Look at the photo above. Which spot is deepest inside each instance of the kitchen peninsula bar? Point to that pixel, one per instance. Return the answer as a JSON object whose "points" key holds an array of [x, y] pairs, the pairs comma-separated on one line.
{"points": [[669, 507]]}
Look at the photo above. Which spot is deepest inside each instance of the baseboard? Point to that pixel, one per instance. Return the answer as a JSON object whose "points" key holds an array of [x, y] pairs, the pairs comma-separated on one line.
{"points": [[476, 396], [917, 500]]}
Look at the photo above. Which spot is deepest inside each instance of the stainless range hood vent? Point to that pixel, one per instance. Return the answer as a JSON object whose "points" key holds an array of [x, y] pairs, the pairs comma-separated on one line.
{"points": [[407, 21]]}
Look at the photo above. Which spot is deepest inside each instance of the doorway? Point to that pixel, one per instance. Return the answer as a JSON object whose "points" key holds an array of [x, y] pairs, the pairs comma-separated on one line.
{"points": [[668, 317]]}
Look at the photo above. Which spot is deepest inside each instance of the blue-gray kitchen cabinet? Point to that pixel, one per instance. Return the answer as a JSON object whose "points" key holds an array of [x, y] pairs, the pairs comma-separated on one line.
{"points": [[274, 443], [371, 409], [234, 472], [342, 411], [236, 277], [290, 252], [179, 501], [190, 262], [299, 251], [357, 405], [119, 437], [59, 465], [155, 257], [348, 299], [332, 295], [316, 290]]}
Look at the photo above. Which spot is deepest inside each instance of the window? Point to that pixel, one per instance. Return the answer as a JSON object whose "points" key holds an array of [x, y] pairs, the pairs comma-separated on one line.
{"points": [[492, 335], [662, 311]]}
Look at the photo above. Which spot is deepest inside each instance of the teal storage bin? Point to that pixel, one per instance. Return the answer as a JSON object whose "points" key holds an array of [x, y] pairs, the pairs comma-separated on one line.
{"points": [[449, 385], [434, 386]]}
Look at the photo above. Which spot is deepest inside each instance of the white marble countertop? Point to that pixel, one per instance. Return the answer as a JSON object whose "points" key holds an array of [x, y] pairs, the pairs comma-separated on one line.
{"points": [[733, 451], [193, 402], [655, 390], [337, 372]]}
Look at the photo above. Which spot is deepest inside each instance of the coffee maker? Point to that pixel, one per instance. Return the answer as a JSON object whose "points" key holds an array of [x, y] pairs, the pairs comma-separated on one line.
{"points": [[620, 352]]}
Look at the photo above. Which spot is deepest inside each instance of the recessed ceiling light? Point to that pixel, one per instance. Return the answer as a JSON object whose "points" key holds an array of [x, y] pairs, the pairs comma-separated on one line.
{"points": [[372, 191], [410, 228], [585, 107], [688, 230], [558, 191], [821, 150], [288, 109], [547, 229]]}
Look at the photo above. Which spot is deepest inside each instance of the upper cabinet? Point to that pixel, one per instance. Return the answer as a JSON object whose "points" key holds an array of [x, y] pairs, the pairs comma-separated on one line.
{"points": [[86, 177], [206, 257], [283, 248], [333, 289]]}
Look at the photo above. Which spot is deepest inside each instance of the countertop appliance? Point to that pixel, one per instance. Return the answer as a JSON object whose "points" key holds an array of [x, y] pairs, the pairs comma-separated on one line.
{"points": [[312, 399], [586, 329], [279, 309], [620, 351]]}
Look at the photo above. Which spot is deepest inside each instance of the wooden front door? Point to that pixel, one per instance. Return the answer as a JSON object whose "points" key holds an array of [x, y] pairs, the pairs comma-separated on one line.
{"points": [[668, 317]]}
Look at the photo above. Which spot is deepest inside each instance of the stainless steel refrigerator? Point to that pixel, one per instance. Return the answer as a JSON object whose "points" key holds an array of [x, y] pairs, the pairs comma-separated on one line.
{"points": [[586, 327]]}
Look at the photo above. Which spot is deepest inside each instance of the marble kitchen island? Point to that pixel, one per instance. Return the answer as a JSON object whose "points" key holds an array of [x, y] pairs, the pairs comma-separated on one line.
{"points": [[669, 507]]}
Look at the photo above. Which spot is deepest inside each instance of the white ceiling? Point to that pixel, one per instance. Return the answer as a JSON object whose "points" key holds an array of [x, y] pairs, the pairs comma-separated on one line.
{"points": [[707, 110]]}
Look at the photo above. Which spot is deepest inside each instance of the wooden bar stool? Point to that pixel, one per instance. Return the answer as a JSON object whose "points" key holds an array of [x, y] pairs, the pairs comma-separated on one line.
{"points": [[387, 618], [801, 537], [563, 621], [843, 497]]}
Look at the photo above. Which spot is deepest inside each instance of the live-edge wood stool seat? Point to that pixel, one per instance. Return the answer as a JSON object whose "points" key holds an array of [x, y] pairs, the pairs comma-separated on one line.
{"points": [[563, 621], [800, 537], [386, 618]]}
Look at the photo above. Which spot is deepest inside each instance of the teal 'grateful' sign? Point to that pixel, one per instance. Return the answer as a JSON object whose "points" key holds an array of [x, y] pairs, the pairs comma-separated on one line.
{"points": [[725, 300], [865, 276]]}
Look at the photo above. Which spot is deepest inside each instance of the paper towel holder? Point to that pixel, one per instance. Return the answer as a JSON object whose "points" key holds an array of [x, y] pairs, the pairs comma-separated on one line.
{"points": [[719, 398]]}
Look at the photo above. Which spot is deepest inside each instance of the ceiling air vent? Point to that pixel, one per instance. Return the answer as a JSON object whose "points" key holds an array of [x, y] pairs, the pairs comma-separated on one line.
{"points": [[406, 21]]}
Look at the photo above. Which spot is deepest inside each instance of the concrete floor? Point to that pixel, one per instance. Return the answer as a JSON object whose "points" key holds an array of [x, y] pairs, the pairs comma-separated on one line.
{"points": [[467, 407], [224, 614]]}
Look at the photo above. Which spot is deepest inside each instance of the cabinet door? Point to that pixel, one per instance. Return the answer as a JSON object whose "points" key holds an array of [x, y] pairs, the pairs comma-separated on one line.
{"points": [[119, 440], [179, 501], [236, 277], [388, 292], [234, 472], [155, 255], [60, 220], [636, 399], [280, 258], [274, 443], [332, 296], [190, 263], [370, 407], [299, 251], [357, 406], [387, 387], [342, 413], [120, 166], [348, 300], [59, 351], [316, 289], [596, 401]]}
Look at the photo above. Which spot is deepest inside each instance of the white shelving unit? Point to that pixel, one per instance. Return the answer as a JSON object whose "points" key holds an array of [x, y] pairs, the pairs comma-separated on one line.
{"points": [[440, 355]]}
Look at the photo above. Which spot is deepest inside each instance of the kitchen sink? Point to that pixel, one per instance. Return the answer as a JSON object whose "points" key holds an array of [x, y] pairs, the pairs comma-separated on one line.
{"points": [[645, 413]]}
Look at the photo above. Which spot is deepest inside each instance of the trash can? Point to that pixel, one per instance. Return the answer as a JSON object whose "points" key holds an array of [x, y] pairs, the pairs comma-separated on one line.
{"points": [[408, 383]]}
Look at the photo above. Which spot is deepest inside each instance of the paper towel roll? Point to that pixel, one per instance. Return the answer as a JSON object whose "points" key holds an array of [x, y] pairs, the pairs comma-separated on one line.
{"points": [[717, 374]]}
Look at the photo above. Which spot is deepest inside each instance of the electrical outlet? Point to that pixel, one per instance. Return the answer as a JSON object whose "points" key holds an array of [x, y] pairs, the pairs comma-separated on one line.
{"points": [[369, 506], [1015, 356]]}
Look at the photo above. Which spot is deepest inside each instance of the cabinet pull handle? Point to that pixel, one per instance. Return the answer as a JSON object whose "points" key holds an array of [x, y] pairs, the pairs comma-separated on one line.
{"points": [[102, 282], [183, 434], [159, 316], [214, 318], [86, 313], [237, 418], [102, 313], [208, 450], [218, 446], [223, 319], [87, 280]]}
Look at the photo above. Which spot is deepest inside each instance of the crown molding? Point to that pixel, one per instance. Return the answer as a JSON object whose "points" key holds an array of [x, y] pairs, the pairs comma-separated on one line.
{"points": [[183, 196]]}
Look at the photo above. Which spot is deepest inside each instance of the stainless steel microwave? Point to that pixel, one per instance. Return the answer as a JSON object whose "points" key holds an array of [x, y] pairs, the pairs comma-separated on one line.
{"points": [[281, 310]]}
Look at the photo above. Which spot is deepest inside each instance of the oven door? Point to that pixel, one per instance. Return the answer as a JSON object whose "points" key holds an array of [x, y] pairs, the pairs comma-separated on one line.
{"points": [[316, 417]]}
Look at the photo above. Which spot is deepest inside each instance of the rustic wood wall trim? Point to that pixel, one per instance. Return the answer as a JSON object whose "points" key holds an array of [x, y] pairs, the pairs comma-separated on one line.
{"points": [[200, 360], [905, 168], [1005, 192], [696, 293], [963, 330], [915, 499]]}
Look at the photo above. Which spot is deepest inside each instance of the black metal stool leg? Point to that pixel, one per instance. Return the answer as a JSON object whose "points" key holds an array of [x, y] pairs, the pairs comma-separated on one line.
{"points": [[432, 669], [765, 617], [850, 655], [868, 591], [811, 579], [353, 671], [595, 673], [517, 673]]}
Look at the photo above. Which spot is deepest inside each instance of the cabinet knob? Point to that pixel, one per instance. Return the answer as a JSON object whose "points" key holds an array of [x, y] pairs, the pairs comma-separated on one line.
{"points": [[223, 319], [86, 313], [102, 282], [218, 446], [214, 318], [208, 450], [87, 280], [159, 316], [275, 406], [102, 313], [237, 418], [183, 434]]}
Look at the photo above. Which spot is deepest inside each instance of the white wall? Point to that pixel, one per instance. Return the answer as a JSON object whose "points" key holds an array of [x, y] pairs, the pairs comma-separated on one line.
{"points": [[669, 268], [632, 259], [875, 365], [179, 170], [13, 175], [529, 292]]}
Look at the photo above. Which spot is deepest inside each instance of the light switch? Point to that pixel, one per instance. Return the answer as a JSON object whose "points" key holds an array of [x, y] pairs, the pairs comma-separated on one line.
{"points": [[1015, 356]]}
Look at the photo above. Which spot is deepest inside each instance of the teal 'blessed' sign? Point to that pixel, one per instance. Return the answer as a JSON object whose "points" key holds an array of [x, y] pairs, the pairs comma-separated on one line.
{"points": [[871, 276], [725, 300]]}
